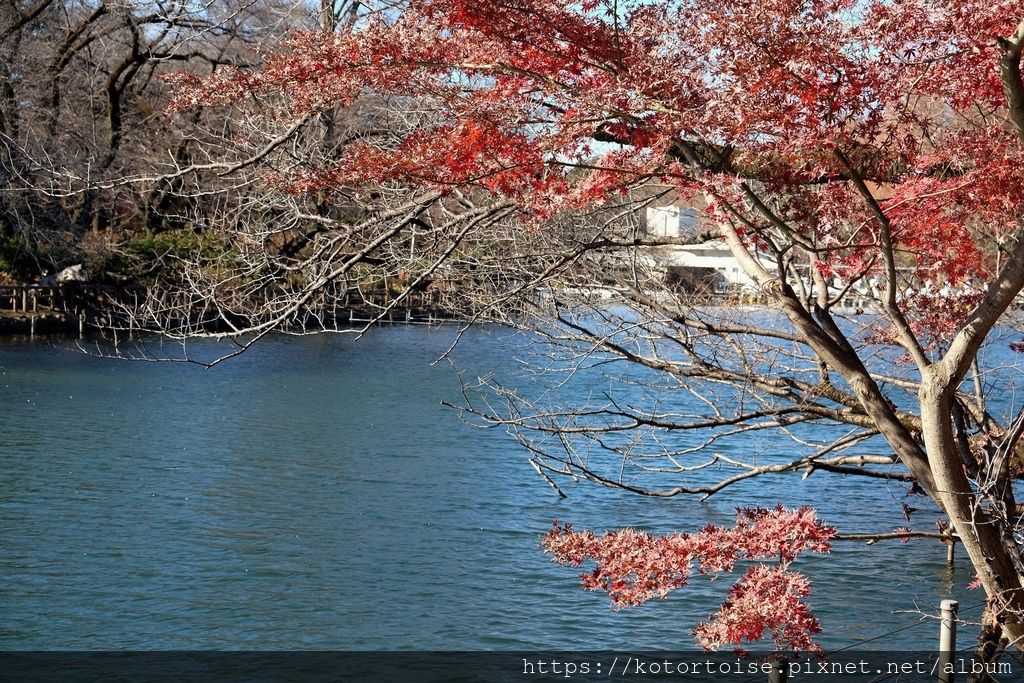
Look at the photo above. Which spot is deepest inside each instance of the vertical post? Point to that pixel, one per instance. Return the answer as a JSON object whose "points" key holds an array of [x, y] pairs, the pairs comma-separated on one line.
{"points": [[81, 325], [32, 328], [950, 552], [947, 640]]}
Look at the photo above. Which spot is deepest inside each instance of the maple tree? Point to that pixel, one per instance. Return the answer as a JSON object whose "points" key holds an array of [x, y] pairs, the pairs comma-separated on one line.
{"points": [[634, 567], [834, 146]]}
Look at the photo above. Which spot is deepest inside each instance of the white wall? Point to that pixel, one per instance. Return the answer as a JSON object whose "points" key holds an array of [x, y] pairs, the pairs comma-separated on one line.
{"points": [[681, 221], [671, 221], [717, 256]]}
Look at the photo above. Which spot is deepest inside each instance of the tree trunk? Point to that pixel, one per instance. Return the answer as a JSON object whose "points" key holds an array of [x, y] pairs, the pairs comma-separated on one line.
{"points": [[991, 644], [978, 530]]}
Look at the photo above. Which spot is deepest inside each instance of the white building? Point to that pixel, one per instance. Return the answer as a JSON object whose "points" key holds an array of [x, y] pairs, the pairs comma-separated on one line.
{"points": [[712, 264], [671, 221], [709, 261]]}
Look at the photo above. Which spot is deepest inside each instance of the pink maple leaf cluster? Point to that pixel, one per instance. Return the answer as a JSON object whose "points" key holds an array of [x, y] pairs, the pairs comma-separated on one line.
{"points": [[635, 566], [766, 600]]}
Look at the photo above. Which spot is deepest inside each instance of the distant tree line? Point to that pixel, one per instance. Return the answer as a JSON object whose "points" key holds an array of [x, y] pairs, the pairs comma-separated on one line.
{"points": [[82, 111]]}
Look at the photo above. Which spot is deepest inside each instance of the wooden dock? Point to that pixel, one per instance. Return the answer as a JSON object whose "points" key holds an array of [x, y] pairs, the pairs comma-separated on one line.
{"points": [[43, 309], [71, 298], [71, 308]]}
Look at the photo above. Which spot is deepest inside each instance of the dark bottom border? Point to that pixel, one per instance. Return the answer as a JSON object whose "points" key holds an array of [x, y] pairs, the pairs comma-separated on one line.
{"points": [[521, 667]]}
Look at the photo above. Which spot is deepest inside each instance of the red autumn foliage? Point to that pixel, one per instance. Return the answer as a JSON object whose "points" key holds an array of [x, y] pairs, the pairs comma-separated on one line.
{"points": [[517, 93], [635, 566], [934, 317], [767, 600]]}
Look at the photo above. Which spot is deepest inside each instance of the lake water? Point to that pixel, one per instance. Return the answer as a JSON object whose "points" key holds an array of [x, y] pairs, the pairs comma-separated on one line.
{"points": [[313, 493]]}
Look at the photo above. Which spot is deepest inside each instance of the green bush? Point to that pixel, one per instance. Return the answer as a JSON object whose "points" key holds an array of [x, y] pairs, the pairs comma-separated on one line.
{"points": [[16, 258], [154, 256]]}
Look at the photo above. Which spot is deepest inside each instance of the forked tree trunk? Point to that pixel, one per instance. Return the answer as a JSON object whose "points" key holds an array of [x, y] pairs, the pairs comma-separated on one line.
{"points": [[978, 530]]}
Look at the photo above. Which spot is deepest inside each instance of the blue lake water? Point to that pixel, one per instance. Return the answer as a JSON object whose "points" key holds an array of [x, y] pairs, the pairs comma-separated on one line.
{"points": [[313, 493]]}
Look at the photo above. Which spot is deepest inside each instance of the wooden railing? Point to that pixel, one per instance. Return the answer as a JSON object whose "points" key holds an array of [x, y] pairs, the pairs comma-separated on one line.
{"points": [[78, 305], [73, 297]]}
